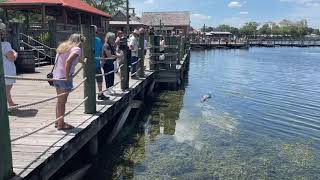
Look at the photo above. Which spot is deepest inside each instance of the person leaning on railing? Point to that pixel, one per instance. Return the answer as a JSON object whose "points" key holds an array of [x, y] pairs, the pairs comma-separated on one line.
{"points": [[97, 53], [9, 56], [109, 57], [68, 56]]}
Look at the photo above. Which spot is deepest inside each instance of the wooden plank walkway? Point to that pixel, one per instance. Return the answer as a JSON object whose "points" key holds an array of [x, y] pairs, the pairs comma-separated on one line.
{"points": [[41, 154]]}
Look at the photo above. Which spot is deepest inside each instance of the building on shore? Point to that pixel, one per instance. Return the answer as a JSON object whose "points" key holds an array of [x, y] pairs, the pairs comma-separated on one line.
{"points": [[65, 12], [219, 36], [168, 22], [119, 22]]}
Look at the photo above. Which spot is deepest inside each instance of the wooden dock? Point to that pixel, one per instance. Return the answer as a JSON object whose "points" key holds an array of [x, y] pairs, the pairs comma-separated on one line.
{"points": [[39, 150], [284, 43], [40, 155], [200, 46]]}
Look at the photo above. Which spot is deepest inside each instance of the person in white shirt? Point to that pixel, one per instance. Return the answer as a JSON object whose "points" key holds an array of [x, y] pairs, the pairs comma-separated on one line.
{"points": [[9, 56], [133, 45], [162, 44]]}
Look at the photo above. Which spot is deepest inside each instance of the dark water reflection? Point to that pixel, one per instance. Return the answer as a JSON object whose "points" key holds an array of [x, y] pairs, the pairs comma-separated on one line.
{"points": [[262, 122]]}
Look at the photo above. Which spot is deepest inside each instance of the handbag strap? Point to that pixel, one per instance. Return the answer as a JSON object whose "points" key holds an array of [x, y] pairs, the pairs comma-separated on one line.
{"points": [[55, 62]]}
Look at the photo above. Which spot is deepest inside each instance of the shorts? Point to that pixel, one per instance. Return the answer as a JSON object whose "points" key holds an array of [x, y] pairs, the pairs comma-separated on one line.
{"points": [[65, 85], [99, 79], [9, 82]]}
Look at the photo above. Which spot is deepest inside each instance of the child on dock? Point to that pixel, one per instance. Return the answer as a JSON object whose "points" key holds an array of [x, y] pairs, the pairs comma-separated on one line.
{"points": [[68, 55], [9, 56]]}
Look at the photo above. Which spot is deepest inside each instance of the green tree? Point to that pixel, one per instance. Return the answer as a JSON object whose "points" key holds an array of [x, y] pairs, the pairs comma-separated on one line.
{"points": [[110, 6], [207, 29], [316, 31], [276, 30], [234, 31], [265, 30], [249, 29], [223, 28]]}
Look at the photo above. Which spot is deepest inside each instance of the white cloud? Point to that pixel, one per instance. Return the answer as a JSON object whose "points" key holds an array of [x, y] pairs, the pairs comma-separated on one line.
{"points": [[243, 12], [234, 4], [148, 2], [200, 17]]}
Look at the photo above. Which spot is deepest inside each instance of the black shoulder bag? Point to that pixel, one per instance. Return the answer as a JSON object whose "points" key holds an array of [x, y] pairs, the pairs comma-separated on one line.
{"points": [[50, 75]]}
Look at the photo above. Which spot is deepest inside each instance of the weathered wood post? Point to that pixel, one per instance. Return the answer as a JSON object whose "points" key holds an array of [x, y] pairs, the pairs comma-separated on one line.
{"points": [[179, 50], [175, 52], [124, 70], [6, 170], [17, 28], [154, 52], [53, 33], [141, 55], [168, 54], [52, 25], [89, 69], [183, 46]]}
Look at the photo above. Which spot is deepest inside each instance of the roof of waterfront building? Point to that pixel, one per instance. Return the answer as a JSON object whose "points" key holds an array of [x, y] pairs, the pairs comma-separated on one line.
{"points": [[73, 4], [124, 23], [217, 33], [179, 18]]}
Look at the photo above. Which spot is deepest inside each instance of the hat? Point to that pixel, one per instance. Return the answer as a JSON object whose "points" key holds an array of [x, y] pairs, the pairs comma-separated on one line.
{"points": [[136, 32]]}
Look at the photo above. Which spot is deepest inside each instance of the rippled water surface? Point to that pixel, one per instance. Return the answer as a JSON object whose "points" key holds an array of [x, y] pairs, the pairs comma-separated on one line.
{"points": [[262, 122]]}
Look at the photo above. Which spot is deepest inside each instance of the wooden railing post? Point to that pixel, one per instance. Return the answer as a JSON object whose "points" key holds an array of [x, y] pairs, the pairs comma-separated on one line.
{"points": [[175, 58], [168, 58], [141, 55], [6, 170], [17, 28], [53, 33], [179, 50], [155, 43], [124, 70], [89, 69]]}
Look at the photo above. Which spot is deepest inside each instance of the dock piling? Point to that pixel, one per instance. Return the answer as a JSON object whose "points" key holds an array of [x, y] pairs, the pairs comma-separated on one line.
{"points": [[89, 69], [141, 55], [124, 70], [6, 170]]}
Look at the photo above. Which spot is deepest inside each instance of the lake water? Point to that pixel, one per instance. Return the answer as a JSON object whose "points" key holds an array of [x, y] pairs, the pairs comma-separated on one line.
{"points": [[262, 121]]}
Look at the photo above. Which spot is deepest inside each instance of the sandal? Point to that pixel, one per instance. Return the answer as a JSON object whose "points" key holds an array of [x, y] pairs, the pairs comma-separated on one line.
{"points": [[65, 126]]}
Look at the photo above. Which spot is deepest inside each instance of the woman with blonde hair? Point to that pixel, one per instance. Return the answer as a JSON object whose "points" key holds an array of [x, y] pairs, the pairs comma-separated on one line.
{"points": [[68, 56], [9, 56]]}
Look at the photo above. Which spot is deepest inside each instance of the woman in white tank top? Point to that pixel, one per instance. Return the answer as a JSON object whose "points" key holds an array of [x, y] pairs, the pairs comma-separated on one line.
{"points": [[9, 56]]}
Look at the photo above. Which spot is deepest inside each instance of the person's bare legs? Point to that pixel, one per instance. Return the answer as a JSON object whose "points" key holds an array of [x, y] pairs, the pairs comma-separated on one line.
{"points": [[8, 95], [99, 85], [61, 107]]}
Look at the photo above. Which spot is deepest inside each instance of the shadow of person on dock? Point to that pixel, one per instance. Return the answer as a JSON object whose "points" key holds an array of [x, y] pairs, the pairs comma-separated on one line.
{"points": [[23, 113]]}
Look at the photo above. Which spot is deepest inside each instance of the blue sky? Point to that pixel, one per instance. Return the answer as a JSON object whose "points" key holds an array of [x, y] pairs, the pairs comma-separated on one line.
{"points": [[236, 12]]}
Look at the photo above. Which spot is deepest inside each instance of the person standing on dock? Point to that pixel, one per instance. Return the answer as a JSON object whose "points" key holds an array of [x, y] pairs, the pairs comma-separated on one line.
{"points": [[133, 45], [109, 57], [9, 56], [68, 56], [97, 53]]}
